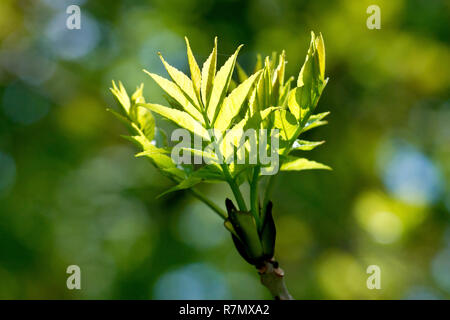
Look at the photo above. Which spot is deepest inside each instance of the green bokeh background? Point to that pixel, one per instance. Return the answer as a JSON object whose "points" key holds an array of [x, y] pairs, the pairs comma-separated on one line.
{"points": [[71, 191]]}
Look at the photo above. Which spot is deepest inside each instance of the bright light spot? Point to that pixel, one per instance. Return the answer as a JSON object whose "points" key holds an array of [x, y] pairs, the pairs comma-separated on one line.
{"points": [[341, 276], [408, 174], [72, 44], [384, 226], [194, 282], [386, 219], [24, 106]]}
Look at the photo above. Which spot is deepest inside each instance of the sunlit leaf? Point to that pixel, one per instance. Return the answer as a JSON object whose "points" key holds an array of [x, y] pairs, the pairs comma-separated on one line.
{"points": [[196, 74], [212, 157], [315, 121], [208, 73], [298, 164], [286, 122], [305, 145], [121, 96], [175, 93], [146, 122], [204, 174], [233, 103], [181, 118], [321, 54], [182, 80], [220, 86]]}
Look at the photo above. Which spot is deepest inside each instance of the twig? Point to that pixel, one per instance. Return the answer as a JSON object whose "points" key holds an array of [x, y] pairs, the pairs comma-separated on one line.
{"points": [[272, 277]]}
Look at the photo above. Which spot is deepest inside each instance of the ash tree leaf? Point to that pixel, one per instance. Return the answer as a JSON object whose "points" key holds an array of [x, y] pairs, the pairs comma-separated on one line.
{"points": [[233, 136], [321, 54], [212, 157], [141, 116], [177, 94], [184, 184], [287, 123], [137, 120], [315, 121], [160, 138], [208, 73], [298, 164], [220, 85], [204, 174], [139, 140], [121, 96], [146, 122], [284, 92], [196, 74], [311, 78], [181, 118], [233, 103], [293, 103], [162, 161], [182, 80], [305, 145], [278, 79]]}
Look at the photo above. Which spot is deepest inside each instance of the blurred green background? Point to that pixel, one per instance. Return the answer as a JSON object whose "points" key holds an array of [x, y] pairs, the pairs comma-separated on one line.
{"points": [[71, 191]]}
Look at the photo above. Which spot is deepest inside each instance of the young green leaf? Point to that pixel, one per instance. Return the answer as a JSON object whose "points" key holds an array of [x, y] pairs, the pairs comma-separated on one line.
{"points": [[220, 86], [196, 74], [287, 123], [181, 118], [146, 122], [212, 157], [121, 95], [293, 104], [207, 174], [162, 161], [182, 81], [298, 164], [175, 93], [321, 55], [315, 121], [208, 73], [233, 103], [305, 145]]}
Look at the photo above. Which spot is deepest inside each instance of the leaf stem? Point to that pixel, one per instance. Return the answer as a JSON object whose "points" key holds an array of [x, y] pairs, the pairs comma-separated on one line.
{"points": [[254, 201], [234, 188], [271, 182], [231, 182]]}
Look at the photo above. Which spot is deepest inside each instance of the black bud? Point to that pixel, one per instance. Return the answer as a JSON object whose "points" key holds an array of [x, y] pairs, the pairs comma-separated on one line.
{"points": [[230, 206]]}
